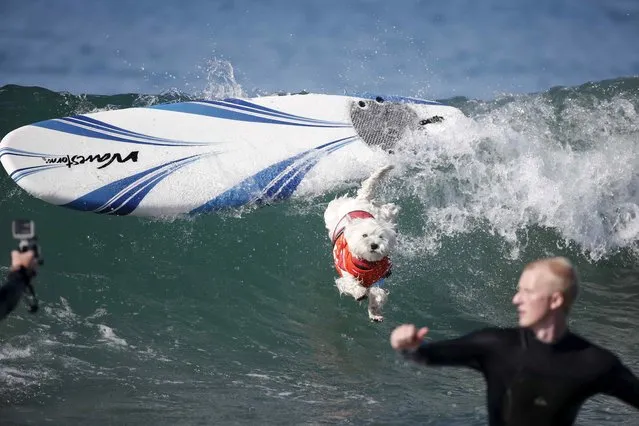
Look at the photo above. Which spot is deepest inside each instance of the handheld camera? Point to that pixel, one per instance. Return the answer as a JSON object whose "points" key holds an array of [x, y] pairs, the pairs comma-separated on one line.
{"points": [[23, 230]]}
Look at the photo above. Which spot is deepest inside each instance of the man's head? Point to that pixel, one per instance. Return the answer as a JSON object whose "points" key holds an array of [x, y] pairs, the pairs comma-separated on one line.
{"points": [[546, 287]]}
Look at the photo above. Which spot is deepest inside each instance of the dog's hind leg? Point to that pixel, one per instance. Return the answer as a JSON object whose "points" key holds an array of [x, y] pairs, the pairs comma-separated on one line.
{"points": [[368, 186], [389, 212], [377, 297]]}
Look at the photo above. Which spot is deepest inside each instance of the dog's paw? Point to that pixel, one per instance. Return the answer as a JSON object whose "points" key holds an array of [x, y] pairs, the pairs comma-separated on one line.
{"points": [[375, 318]]}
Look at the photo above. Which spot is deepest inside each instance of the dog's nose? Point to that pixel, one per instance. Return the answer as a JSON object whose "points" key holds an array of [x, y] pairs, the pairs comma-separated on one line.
{"points": [[374, 246]]}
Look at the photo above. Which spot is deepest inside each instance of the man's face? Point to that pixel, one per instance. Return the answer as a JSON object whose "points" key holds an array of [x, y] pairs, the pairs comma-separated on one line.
{"points": [[533, 298]]}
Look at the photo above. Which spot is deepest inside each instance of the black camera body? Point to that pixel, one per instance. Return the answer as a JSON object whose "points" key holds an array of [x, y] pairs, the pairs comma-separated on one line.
{"points": [[23, 230]]}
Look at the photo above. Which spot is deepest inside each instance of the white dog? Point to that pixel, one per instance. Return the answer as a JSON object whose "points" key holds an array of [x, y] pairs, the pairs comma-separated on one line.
{"points": [[363, 236]]}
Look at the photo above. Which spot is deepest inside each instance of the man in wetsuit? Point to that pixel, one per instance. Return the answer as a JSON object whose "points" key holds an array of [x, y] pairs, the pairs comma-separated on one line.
{"points": [[23, 268], [539, 373]]}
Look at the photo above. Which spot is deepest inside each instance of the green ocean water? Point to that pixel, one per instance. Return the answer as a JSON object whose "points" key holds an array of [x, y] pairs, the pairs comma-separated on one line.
{"points": [[232, 318]]}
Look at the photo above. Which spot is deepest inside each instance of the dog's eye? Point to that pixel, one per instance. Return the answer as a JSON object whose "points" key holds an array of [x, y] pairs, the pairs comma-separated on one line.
{"points": [[365, 235]]}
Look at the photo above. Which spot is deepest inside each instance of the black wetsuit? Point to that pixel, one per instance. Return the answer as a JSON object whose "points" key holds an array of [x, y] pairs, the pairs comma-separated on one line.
{"points": [[11, 292], [534, 383]]}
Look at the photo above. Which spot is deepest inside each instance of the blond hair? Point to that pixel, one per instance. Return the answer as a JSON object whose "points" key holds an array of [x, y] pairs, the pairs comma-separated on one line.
{"points": [[560, 276]]}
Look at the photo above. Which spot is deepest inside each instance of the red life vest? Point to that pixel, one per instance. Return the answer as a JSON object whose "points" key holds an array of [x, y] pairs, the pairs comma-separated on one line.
{"points": [[368, 273]]}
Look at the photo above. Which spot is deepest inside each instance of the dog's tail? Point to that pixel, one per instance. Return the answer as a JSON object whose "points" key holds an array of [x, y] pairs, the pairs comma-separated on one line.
{"points": [[369, 185]]}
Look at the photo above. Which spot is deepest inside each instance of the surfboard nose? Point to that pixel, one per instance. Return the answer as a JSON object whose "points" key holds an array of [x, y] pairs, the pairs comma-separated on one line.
{"points": [[384, 122], [381, 123]]}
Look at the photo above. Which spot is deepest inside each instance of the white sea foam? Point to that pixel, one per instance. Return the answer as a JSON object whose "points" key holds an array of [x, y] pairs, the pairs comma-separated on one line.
{"points": [[519, 165]]}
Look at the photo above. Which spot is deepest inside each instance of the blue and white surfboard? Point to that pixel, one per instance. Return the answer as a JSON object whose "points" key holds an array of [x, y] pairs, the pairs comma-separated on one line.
{"points": [[202, 156]]}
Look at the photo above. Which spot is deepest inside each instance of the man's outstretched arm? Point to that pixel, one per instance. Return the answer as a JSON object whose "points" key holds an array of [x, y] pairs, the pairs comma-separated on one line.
{"points": [[621, 383], [468, 350]]}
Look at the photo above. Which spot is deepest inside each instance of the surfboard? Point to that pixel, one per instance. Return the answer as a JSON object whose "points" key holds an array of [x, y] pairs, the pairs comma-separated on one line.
{"points": [[208, 155]]}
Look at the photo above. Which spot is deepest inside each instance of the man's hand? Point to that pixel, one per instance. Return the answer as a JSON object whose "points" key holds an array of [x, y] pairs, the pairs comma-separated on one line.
{"points": [[407, 336], [23, 259]]}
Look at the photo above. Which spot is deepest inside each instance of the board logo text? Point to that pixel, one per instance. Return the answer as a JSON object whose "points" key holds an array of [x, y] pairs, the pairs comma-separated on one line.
{"points": [[103, 160]]}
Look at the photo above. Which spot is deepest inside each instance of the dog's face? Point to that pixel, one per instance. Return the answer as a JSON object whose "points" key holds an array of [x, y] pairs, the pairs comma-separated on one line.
{"points": [[370, 239]]}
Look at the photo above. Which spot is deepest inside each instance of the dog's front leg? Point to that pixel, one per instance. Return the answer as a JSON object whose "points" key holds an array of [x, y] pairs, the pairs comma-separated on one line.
{"points": [[376, 299], [347, 284]]}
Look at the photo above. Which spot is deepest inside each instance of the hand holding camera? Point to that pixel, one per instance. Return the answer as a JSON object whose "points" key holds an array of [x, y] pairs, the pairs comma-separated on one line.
{"points": [[28, 256], [24, 263], [25, 260]]}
